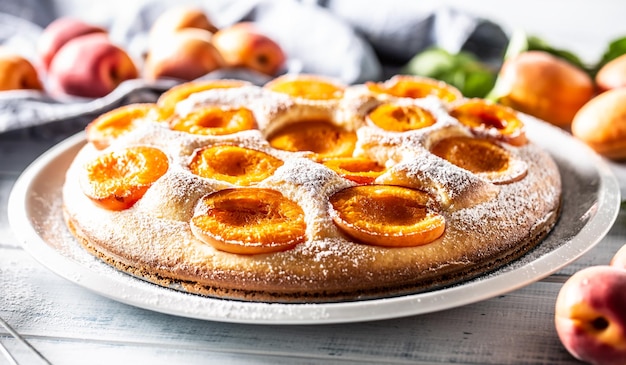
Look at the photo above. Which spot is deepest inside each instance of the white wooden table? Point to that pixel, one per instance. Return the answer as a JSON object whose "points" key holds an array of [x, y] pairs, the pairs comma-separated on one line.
{"points": [[71, 325], [68, 324]]}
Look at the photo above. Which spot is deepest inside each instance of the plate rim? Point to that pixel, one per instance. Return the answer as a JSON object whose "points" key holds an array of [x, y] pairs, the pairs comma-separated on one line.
{"points": [[593, 231]]}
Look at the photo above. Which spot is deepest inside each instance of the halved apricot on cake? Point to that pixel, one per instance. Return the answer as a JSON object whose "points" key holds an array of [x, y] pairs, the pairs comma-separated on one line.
{"points": [[118, 179], [386, 215], [415, 87], [110, 125], [400, 118], [215, 121], [168, 100], [249, 221], [234, 164], [475, 155], [318, 136], [310, 87], [487, 119], [480, 156], [361, 170]]}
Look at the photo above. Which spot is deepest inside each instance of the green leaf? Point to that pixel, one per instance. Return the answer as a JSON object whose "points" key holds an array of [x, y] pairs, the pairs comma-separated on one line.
{"points": [[615, 49], [462, 70], [537, 44], [520, 42]]}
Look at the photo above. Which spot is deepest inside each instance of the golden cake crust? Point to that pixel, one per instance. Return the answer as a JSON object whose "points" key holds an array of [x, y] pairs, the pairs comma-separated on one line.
{"points": [[490, 220]]}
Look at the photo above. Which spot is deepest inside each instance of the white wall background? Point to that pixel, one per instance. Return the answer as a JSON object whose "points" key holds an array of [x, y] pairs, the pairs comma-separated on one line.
{"points": [[583, 26]]}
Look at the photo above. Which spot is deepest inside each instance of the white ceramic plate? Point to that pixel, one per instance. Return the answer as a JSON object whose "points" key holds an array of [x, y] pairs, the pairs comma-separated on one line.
{"points": [[591, 199]]}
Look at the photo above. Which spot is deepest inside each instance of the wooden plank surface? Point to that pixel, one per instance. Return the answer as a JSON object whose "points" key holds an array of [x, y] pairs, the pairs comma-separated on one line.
{"points": [[54, 313]]}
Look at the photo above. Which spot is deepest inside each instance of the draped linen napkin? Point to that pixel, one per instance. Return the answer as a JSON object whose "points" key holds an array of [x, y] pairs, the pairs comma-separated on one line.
{"points": [[350, 40]]}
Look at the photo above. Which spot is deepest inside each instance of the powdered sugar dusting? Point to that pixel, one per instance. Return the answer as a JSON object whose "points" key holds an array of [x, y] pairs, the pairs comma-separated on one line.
{"points": [[484, 215]]}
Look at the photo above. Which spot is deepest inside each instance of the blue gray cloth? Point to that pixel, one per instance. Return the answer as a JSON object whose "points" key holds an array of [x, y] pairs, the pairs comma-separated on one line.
{"points": [[351, 40]]}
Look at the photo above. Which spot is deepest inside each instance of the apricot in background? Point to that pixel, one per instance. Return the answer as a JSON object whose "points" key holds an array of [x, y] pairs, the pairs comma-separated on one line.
{"points": [[601, 124], [58, 33], [178, 18], [619, 259], [90, 66], [547, 87], [186, 54], [17, 72], [242, 45], [612, 75]]}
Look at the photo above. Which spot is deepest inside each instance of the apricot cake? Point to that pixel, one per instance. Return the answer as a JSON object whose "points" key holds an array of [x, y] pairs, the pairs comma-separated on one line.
{"points": [[307, 190]]}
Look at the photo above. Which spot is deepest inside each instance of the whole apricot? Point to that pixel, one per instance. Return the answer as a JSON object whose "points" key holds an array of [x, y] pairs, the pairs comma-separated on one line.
{"points": [[589, 315], [612, 75], [242, 45], [619, 259], [90, 66], [601, 124], [17, 72], [58, 33], [547, 87], [186, 55], [179, 17]]}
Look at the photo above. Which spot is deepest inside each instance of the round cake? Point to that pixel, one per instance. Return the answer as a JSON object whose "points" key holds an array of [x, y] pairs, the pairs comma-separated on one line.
{"points": [[308, 190]]}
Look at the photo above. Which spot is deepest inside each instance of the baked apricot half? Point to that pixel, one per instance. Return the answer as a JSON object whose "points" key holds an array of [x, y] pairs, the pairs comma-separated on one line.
{"points": [[489, 119], [400, 118], [320, 137], [361, 170], [215, 121], [473, 154], [386, 215], [415, 87], [168, 100], [249, 221], [118, 179], [112, 124], [307, 87], [234, 164]]}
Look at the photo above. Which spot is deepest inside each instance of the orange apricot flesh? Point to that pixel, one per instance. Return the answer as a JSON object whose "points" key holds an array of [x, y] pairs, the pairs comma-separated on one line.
{"points": [[400, 118], [385, 215], [481, 115], [320, 137], [234, 164], [361, 170], [473, 154], [118, 179], [403, 86], [545, 86], [117, 122], [249, 221], [307, 87], [168, 100], [215, 121]]}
